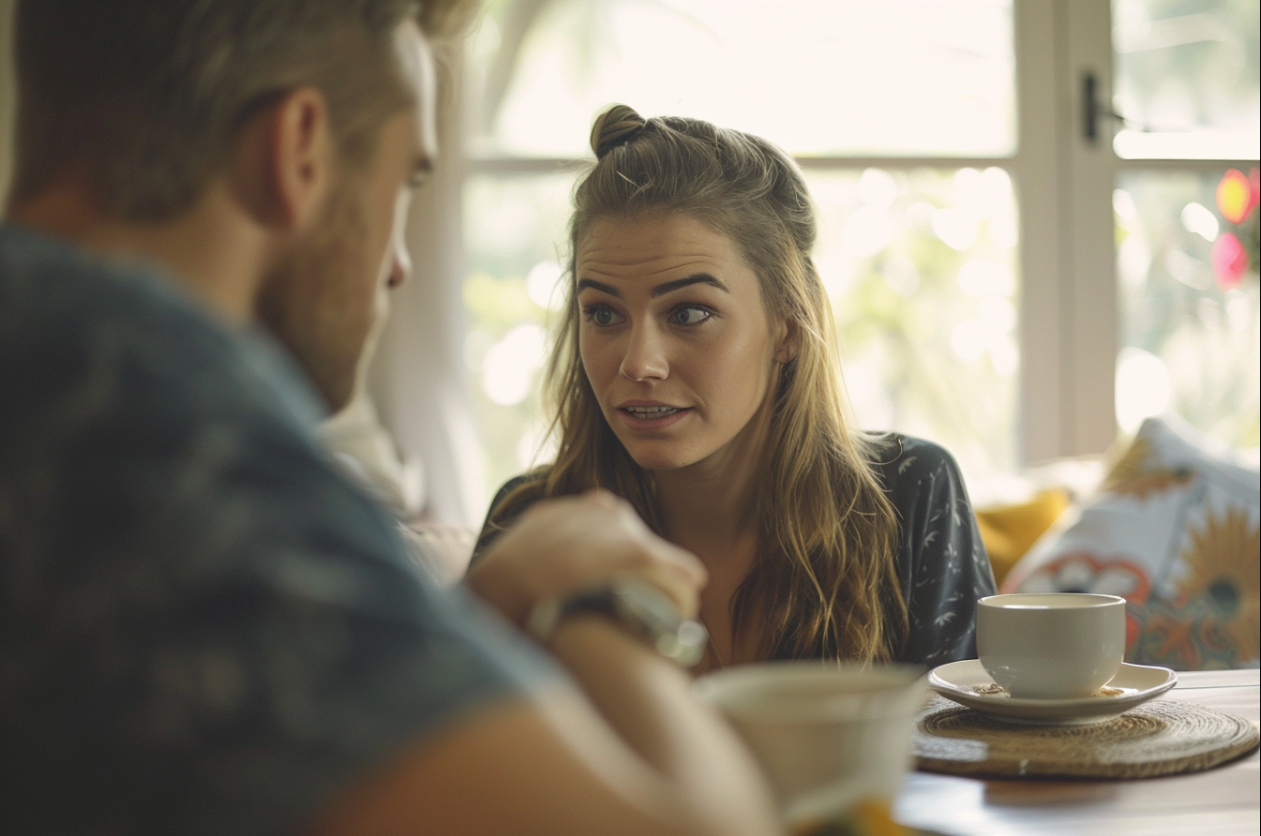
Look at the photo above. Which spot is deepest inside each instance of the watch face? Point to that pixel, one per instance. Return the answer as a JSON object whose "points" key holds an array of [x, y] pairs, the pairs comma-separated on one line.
{"points": [[641, 603], [687, 646]]}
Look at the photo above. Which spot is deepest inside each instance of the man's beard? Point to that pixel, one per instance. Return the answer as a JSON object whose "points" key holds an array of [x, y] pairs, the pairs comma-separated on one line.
{"points": [[318, 301]]}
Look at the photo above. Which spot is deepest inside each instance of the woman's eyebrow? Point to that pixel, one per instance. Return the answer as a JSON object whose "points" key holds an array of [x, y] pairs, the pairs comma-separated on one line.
{"points": [[600, 286], [661, 289], [699, 278]]}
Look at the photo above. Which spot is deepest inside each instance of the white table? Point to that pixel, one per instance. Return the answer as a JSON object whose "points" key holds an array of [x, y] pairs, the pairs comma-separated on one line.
{"points": [[1225, 800]]}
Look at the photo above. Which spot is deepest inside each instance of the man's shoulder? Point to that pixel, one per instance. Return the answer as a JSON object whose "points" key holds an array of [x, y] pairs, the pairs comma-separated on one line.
{"points": [[49, 275], [60, 302], [79, 328]]}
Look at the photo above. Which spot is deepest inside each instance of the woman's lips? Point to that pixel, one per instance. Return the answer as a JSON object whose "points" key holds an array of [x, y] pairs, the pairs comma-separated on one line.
{"points": [[652, 417]]}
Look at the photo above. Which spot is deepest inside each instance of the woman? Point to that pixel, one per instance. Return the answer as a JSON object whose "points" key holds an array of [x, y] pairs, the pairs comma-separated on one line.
{"points": [[695, 376]]}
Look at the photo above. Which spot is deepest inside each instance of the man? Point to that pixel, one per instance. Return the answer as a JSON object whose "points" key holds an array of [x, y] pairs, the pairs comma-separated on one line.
{"points": [[204, 628]]}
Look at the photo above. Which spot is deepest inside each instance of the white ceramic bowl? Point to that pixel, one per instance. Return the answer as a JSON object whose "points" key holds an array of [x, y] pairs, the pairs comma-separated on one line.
{"points": [[826, 735], [1056, 645]]}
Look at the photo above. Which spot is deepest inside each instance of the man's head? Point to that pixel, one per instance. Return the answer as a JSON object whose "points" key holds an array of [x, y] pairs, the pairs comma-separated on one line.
{"points": [[320, 109], [145, 97], [324, 293]]}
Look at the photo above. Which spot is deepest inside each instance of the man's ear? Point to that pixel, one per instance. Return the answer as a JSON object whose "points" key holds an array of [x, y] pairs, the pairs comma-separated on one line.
{"points": [[789, 335], [285, 161]]}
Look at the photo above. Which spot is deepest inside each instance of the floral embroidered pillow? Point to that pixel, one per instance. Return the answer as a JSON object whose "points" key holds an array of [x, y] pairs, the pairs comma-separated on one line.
{"points": [[1174, 529]]}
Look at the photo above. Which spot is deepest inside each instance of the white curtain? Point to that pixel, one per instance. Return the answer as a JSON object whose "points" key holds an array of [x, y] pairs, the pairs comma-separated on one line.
{"points": [[418, 378]]}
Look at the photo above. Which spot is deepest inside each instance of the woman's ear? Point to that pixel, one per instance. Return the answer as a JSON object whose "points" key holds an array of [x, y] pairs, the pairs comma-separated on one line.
{"points": [[789, 335]]}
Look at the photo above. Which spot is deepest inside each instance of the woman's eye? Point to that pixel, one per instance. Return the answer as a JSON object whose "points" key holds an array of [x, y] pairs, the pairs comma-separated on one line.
{"points": [[600, 315], [690, 315]]}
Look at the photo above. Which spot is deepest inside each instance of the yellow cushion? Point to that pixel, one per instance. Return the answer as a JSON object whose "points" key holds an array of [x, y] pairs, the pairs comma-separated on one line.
{"points": [[1009, 530]]}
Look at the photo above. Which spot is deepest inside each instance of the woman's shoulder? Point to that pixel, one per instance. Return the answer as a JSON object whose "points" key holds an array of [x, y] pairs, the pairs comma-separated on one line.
{"points": [[511, 501], [900, 459], [533, 479], [518, 493]]}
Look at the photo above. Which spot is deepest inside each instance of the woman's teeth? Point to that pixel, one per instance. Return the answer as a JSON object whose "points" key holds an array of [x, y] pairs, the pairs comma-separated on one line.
{"points": [[651, 411]]}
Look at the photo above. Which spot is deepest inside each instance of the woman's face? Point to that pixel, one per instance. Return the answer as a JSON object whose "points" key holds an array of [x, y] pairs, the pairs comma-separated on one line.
{"points": [[675, 340]]}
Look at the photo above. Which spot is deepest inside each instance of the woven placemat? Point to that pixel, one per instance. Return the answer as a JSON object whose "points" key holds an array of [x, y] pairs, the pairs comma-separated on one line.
{"points": [[1156, 738]]}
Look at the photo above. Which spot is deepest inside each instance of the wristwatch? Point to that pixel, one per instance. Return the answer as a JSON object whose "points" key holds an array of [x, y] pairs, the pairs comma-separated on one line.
{"points": [[637, 606]]}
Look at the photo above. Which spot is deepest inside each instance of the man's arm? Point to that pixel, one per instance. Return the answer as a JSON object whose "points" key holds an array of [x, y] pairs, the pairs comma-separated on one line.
{"points": [[642, 757], [637, 754]]}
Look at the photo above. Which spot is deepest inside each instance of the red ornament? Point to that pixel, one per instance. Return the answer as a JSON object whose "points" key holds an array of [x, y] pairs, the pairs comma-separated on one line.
{"points": [[1229, 259]]}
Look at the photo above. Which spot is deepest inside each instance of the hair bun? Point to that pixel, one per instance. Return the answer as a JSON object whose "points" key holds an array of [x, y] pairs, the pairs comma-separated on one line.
{"points": [[615, 126]]}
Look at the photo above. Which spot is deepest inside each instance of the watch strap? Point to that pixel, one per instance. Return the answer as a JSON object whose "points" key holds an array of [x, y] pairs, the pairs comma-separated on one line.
{"points": [[636, 606]]}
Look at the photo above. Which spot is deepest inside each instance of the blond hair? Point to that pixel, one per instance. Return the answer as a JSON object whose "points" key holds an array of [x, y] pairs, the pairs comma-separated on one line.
{"points": [[145, 98], [824, 582]]}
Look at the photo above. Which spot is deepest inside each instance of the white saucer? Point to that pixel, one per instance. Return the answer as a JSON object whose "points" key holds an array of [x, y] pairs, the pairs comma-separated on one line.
{"points": [[958, 681]]}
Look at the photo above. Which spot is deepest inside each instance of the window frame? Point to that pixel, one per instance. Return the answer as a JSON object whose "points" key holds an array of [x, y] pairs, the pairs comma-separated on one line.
{"points": [[1069, 328]]}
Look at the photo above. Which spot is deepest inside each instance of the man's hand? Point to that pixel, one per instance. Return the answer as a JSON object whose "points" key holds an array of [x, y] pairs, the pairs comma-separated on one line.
{"points": [[560, 546]]}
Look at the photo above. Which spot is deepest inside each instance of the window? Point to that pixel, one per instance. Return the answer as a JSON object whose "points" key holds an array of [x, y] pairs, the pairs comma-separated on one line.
{"points": [[1186, 87], [1005, 281]]}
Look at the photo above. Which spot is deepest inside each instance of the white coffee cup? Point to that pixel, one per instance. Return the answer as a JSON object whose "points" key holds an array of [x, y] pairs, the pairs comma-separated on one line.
{"points": [[827, 736], [1054, 645]]}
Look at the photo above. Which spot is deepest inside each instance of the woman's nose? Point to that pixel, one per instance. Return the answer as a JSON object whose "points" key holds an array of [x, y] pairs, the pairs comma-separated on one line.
{"points": [[645, 357]]}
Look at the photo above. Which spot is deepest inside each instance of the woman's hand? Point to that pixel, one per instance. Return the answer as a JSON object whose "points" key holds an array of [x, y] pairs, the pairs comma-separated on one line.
{"points": [[560, 546]]}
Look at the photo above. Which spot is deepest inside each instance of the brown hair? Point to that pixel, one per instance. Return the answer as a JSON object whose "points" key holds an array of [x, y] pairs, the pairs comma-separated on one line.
{"points": [[825, 579], [144, 98]]}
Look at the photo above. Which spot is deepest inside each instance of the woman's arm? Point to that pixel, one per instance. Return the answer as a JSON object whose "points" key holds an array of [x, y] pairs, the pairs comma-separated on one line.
{"points": [[942, 562]]}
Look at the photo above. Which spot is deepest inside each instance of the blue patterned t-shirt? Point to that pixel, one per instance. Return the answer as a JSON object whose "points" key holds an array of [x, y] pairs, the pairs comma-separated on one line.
{"points": [[204, 629]]}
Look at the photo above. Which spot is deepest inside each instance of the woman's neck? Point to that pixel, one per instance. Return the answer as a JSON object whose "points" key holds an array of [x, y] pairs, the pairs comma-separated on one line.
{"points": [[707, 513], [710, 509], [711, 505]]}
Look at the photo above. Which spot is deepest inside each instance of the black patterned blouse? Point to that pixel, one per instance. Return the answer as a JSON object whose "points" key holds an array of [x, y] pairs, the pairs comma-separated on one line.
{"points": [[942, 564], [941, 560]]}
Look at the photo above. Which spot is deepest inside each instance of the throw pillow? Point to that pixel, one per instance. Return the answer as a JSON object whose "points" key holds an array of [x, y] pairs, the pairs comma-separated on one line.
{"points": [[1174, 529]]}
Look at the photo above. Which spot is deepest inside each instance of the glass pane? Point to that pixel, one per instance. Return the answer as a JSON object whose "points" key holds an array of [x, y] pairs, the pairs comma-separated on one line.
{"points": [[930, 77], [514, 246], [920, 267], [1191, 335], [1186, 78]]}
